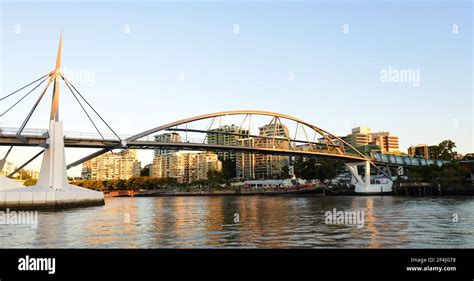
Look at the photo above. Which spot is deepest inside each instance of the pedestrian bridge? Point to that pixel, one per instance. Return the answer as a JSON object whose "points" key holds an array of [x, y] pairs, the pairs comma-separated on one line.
{"points": [[285, 135]]}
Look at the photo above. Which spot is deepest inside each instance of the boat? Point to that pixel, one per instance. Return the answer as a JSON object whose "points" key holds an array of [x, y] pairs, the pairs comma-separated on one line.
{"points": [[297, 190], [377, 186]]}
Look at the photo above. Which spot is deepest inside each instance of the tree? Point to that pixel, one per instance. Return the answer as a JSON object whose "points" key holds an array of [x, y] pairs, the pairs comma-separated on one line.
{"points": [[445, 150], [329, 169], [228, 169], [285, 173], [305, 168], [30, 182], [145, 172], [311, 168], [23, 174], [215, 177]]}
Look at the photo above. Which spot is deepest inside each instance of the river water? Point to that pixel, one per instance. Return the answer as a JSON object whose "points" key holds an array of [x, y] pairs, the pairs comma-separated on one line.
{"points": [[252, 222]]}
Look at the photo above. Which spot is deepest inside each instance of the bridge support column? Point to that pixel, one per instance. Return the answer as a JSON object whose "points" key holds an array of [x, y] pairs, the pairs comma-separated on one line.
{"points": [[367, 174], [53, 168], [52, 189], [365, 185]]}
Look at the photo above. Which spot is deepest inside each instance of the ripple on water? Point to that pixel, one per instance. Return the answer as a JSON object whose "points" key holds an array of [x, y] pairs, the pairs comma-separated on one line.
{"points": [[263, 222]]}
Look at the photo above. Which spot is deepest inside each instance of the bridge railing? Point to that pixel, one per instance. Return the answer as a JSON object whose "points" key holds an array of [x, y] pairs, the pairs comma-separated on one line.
{"points": [[90, 136], [10, 131], [406, 160]]}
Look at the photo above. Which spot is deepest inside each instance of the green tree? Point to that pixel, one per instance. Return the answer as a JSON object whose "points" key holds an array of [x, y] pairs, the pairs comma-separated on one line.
{"points": [[285, 173], [445, 150], [30, 182], [305, 168], [215, 177], [145, 172], [228, 169], [312, 168], [328, 169], [22, 174]]}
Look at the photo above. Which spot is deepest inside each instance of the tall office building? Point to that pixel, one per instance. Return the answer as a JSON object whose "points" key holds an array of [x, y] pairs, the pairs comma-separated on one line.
{"points": [[112, 166], [360, 136], [385, 141], [363, 136]]}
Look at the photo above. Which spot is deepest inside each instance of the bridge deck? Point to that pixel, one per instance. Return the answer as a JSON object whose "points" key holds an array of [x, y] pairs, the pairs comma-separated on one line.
{"points": [[38, 138]]}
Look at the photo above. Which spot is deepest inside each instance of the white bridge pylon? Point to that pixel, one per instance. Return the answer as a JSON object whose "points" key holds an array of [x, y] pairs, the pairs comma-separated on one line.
{"points": [[367, 185], [52, 189]]}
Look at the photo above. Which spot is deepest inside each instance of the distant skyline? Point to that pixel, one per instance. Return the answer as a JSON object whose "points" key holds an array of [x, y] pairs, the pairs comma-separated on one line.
{"points": [[403, 67]]}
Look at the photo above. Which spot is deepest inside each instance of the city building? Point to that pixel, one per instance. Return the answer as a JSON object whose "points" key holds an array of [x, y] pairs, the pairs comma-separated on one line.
{"points": [[8, 168], [386, 142], [363, 136], [360, 136], [185, 166], [206, 161], [245, 162], [226, 135], [112, 166], [264, 166], [167, 137], [423, 150]]}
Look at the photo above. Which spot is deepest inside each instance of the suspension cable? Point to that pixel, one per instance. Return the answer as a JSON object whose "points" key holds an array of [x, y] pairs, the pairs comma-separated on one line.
{"points": [[33, 108], [72, 85], [27, 94], [78, 101], [11, 94]]}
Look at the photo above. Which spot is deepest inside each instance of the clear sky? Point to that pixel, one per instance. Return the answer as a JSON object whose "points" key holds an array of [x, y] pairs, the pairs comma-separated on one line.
{"points": [[129, 57]]}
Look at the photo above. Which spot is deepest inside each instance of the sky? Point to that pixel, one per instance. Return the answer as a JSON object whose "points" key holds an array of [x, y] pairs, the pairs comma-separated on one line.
{"points": [[331, 63]]}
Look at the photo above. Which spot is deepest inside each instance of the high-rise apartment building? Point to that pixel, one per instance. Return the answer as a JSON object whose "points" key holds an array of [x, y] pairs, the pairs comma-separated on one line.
{"points": [[186, 167], [167, 137], [112, 166], [264, 166], [226, 135]]}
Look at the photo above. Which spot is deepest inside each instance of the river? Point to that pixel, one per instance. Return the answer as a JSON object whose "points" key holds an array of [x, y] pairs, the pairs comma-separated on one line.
{"points": [[251, 222]]}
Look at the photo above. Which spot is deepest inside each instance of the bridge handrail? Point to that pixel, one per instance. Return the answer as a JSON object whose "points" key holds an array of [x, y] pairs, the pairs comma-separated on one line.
{"points": [[406, 160], [11, 131]]}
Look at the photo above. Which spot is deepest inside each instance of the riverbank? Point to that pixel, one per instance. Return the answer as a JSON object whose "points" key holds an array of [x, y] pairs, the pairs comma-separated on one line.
{"points": [[316, 191], [414, 189], [433, 189]]}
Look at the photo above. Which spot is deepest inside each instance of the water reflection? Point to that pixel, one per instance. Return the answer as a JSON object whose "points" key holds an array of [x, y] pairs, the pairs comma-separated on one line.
{"points": [[255, 222]]}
